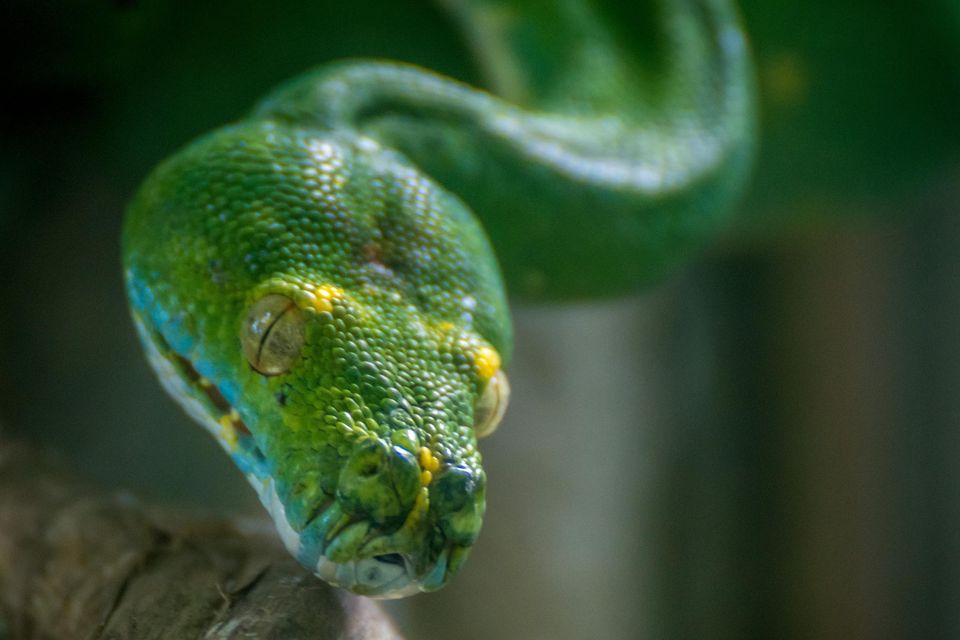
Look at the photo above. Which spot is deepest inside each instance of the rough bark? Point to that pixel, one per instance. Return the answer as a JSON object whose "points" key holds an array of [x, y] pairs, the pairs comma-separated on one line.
{"points": [[76, 562]]}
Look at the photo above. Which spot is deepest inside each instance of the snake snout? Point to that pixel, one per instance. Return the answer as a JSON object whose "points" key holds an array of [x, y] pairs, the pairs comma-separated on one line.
{"points": [[393, 528]]}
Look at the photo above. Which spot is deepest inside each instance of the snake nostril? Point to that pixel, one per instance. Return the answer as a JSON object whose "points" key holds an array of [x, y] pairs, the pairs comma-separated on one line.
{"points": [[390, 558]]}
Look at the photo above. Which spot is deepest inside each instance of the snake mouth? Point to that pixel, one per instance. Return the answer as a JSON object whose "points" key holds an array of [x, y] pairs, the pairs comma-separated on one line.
{"points": [[352, 554], [328, 545], [203, 401], [229, 429]]}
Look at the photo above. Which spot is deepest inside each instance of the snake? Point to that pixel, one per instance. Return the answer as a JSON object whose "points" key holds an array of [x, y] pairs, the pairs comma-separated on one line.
{"points": [[323, 284]]}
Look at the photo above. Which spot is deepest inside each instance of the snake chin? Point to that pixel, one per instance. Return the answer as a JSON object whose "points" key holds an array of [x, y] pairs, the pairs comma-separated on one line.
{"points": [[381, 577]]}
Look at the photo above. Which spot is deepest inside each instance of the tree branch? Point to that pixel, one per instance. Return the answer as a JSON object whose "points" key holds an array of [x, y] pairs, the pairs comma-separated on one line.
{"points": [[78, 563]]}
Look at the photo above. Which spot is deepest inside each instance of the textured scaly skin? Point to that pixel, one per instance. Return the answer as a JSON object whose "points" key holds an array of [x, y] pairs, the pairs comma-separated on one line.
{"points": [[337, 193]]}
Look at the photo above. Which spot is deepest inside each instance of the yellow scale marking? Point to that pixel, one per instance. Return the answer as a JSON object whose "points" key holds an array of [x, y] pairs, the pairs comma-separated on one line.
{"points": [[429, 465], [325, 295], [228, 431], [487, 362]]}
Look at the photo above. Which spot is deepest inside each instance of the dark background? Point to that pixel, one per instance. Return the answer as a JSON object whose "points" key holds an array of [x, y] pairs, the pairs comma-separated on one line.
{"points": [[763, 446]]}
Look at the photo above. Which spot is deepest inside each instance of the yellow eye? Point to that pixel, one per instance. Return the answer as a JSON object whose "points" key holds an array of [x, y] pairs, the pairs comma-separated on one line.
{"points": [[272, 334], [491, 405]]}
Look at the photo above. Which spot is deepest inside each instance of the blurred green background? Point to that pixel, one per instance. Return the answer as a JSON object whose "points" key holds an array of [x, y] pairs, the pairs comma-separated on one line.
{"points": [[764, 446]]}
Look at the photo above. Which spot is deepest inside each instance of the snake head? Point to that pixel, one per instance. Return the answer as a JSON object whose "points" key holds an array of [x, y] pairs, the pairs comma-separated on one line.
{"points": [[373, 473], [337, 321]]}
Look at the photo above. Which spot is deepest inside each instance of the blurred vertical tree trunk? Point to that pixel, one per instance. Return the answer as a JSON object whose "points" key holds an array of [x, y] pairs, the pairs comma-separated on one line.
{"points": [[927, 489], [783, 478], [811, 469], [718, 510]]}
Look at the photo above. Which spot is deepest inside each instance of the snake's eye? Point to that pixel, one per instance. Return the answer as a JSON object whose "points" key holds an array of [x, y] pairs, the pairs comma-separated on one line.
{"points": [[272, 334], [491, 405]]}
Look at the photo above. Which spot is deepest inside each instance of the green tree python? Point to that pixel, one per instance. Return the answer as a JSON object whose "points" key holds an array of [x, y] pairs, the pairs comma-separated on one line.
{"points": [[315, 284]]}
